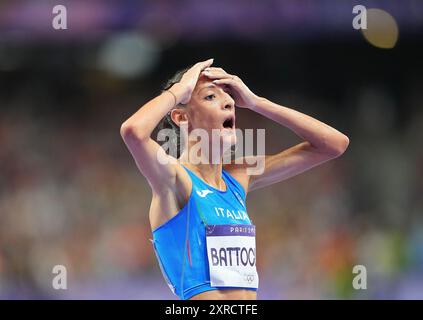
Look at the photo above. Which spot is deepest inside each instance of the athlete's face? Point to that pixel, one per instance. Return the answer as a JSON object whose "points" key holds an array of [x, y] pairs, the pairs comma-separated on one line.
{"points": [[212, 107]]}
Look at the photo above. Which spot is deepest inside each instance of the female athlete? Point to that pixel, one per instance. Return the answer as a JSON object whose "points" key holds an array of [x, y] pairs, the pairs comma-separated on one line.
{"points": [[203, 236]]}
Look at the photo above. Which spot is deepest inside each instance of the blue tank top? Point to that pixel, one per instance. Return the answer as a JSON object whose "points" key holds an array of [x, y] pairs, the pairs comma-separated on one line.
{"points": [[180, 243]]}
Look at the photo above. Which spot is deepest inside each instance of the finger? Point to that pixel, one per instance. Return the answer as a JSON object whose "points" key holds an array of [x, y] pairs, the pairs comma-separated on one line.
{"points": [[207, 63], [228, 81], [203, 65], [216, 69], [215, 74], [199, 66]]}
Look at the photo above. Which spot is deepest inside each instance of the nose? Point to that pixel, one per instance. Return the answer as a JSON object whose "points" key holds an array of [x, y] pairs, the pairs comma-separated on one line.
{"points": [[228, 106], [229, 103]]}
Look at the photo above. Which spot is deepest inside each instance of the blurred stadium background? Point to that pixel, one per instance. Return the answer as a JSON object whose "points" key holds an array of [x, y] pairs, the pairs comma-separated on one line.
{"points": [[70, 193]]}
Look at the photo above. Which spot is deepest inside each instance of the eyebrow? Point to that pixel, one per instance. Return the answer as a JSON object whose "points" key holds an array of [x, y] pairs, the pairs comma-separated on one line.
{"points": [[208, 87]]}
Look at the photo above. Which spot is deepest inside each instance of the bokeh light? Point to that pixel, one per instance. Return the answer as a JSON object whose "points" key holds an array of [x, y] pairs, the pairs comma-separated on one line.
{"points": [[128, 55], [382, 29]]}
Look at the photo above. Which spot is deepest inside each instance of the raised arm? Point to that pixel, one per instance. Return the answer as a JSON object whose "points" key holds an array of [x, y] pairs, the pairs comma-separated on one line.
{"points": [[321, 144], [136, 131]]}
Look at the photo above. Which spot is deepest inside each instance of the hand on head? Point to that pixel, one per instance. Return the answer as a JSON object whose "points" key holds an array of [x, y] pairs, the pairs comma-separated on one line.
{"points": [[186, 86]]}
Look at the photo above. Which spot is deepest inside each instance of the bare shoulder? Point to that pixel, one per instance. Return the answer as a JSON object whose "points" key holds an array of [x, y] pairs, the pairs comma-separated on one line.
{"points": [[241, 171]]}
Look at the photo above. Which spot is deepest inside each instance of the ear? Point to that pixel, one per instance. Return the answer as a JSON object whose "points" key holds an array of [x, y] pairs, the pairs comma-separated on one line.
{"points": [[179, 115]]}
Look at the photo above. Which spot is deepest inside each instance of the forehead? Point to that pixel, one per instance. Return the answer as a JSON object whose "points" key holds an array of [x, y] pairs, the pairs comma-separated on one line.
{"points": [[204, 82]]}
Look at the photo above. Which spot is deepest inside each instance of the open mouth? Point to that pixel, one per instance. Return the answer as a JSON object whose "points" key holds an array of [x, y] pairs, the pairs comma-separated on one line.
{"points": [[229, 123]]}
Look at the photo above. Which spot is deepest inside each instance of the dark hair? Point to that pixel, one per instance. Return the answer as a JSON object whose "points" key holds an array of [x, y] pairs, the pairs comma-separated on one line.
{"points": [[167, 122]]}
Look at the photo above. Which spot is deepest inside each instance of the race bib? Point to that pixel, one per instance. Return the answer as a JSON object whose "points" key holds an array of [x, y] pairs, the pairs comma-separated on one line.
{"points": [[231, 250]]}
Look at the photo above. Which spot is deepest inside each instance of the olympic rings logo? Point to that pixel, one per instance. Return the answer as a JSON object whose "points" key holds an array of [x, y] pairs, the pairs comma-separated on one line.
{"points": [[249, 277]]}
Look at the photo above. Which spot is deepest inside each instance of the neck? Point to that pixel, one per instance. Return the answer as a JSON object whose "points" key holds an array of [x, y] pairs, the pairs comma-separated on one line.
{"points": [[209, 171]]}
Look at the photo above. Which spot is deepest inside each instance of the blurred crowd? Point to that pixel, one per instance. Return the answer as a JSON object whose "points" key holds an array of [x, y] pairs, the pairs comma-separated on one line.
{"points": [[70, 195]]}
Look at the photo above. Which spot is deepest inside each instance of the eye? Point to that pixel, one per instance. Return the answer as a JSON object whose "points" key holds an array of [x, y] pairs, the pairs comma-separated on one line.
{"points": [[209, 97]]}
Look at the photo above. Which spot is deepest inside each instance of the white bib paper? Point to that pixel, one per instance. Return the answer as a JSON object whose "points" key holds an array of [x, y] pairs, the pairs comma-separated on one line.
{"points": [[231, 251]]}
